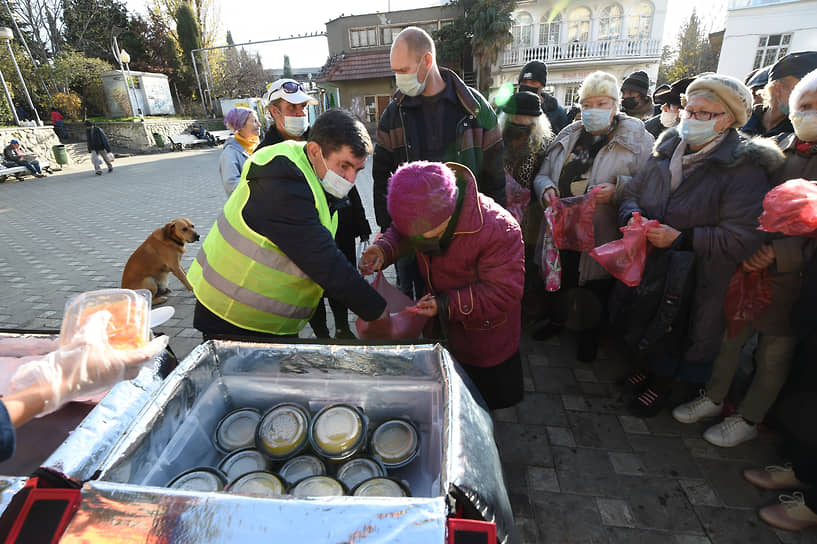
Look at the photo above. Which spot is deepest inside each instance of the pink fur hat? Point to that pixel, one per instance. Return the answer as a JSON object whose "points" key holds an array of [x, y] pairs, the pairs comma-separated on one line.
{"points": [[422, 195]]}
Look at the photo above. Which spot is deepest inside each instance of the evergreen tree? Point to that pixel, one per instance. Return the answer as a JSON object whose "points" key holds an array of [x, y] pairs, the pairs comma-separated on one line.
{"points": [[693, 54], [189, 35], [287, 67]]}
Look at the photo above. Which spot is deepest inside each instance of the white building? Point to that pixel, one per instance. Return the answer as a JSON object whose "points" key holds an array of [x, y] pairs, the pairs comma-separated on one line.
{"points": [[758, 32], [579, 37]]}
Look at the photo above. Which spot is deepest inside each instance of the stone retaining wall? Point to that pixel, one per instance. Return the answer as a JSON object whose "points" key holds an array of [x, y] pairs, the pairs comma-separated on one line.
{"points": [[137, 137], [34, 139]]}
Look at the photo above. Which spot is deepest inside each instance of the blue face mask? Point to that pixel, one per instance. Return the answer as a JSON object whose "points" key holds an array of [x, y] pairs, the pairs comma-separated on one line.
{"points": [[596, 120], [697, 132], [784, 109]]}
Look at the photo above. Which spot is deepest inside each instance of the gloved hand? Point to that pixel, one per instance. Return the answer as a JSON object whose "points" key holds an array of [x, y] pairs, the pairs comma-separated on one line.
{"points": [[86, 364]]}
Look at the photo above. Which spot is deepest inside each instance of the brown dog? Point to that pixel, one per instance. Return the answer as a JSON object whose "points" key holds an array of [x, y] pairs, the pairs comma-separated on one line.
{"points": [[151, 264]]}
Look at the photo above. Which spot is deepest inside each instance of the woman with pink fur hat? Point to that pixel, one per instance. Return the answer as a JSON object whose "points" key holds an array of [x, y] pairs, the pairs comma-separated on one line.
{"points": [[470, 252]]}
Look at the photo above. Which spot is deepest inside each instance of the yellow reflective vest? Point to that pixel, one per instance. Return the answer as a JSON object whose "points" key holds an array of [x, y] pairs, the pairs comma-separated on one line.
{"points": [[244, 278]]}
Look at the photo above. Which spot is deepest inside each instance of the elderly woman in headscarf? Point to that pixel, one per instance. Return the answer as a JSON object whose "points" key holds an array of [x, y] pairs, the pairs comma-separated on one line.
{"points": [[705, 185], [238, 147], [526, 132], [605, 149]]}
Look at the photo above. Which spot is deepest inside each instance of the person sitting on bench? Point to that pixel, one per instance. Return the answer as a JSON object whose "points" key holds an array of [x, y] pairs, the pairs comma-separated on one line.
{"points": [[199, 132], [15, 155]]}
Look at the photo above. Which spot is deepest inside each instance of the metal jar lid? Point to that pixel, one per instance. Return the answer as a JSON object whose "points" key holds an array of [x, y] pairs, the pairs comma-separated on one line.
{"points": [[236, 430], [241, 462], [258, 484], [338, 431], [357, 470], [318, 486], [381, 487], [199, 479], [303, 466], [395, 442], [283, 431]]}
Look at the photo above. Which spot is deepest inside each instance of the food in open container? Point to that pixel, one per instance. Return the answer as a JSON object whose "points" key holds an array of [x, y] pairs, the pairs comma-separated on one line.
{"points": [[395, 442], [359, 469], [283, 431], [129, 327], [257, 484], [303, 466], [241, 462], [381, 487], [318, 486], [199, 479], [338, 431], [236, 430]]}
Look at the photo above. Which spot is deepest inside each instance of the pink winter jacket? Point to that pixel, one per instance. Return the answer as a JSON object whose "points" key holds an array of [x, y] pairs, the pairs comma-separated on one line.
{"points": [[482, 272]]}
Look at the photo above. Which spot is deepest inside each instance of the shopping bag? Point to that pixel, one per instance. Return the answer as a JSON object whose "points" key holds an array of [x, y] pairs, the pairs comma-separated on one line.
{"points": [[402, 321], [624, 258], [573, 221], [517, 197], [791, 208], [550, 265], [749, 295]]}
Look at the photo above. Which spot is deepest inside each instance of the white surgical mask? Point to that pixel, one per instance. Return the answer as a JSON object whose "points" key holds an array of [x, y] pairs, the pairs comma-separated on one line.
{"points": [[335, 184], [408, 83], [805, 125], [296, 126], [669, 118], [596, 119], [697, 132]]}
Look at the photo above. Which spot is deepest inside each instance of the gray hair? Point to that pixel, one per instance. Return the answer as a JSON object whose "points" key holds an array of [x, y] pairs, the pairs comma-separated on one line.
{"points": [[540, 133]]}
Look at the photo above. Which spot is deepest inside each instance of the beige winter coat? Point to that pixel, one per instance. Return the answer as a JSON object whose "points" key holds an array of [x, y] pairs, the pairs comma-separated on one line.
{"points": [[615, 163]]}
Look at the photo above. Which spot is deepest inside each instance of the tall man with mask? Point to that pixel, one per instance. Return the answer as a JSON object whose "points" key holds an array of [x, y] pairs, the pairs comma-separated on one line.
{"points": [[287, 101], [266, 262], [433, 116]]}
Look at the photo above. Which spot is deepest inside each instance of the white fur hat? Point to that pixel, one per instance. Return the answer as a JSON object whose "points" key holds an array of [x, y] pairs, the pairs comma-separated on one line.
{"points": [[732, 93], [600, 84]]}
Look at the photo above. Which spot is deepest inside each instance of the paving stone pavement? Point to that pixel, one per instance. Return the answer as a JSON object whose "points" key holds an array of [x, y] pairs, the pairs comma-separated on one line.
{"points": [[578, 468]]}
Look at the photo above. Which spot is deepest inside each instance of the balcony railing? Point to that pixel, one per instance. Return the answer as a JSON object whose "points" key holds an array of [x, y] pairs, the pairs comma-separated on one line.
{"points": [[565, 52]]}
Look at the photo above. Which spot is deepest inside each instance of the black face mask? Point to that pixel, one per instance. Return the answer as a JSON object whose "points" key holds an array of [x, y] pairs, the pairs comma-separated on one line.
{"points": [[534, 90], [429, 246], [515, 131], [629, 103]]}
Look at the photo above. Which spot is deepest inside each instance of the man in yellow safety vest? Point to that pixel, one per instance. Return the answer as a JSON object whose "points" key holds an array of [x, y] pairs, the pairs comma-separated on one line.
{"points": [[271, 254]]}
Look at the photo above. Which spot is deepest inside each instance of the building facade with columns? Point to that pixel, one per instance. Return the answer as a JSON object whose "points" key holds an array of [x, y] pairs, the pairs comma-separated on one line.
{"points": [[576, 37]]}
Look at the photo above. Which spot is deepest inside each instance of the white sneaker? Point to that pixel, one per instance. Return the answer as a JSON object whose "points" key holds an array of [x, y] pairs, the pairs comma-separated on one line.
{"points": [[696, 410], [730, 432]]}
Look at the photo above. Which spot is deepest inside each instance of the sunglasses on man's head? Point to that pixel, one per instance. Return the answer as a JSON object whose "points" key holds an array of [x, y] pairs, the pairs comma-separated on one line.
{"points": [[291, 87]]}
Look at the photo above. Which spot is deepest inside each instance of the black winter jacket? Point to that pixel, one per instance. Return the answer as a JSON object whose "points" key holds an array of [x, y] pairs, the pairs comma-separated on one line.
{"points": [[97, 141], [554, 112], [479, 143]]}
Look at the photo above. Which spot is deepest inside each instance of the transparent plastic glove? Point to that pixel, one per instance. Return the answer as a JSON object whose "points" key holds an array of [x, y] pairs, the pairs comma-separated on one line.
{"points": [[85, 365]]}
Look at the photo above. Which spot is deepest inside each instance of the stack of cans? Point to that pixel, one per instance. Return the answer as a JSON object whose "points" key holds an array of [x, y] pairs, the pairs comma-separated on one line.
{"points": [[289, 450]]}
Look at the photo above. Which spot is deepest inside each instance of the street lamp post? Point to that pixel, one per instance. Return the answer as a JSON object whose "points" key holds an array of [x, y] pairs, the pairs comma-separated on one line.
{"points": [[124, 56], [7, 35], [8, 97], [118, 56]]}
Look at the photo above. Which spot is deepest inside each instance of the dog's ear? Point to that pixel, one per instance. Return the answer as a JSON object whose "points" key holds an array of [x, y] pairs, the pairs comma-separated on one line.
{"points": [[167, 230]]}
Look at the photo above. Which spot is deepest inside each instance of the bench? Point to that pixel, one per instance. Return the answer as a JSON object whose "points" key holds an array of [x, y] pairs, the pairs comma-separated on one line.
{"points": [[177, 143], [20, 171], [221, 135]]}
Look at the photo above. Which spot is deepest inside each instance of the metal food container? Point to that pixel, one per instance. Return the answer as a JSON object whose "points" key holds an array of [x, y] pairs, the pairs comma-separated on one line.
{"points": [[126, 454]]}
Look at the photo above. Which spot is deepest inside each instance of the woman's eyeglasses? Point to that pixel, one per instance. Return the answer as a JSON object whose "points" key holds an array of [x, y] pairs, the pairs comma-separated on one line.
{"points": [[700, 115]]}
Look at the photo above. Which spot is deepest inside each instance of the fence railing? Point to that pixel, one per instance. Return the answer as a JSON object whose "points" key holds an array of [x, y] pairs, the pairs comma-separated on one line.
{"points": [[565, 52]]}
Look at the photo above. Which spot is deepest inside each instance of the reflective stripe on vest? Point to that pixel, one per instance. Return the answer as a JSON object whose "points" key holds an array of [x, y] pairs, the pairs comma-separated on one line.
{"points": [[244, 278]]}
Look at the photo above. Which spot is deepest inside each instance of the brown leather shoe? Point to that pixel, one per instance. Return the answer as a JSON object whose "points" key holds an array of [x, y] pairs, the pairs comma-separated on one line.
{"points": [[791, 514], [773, 477]]}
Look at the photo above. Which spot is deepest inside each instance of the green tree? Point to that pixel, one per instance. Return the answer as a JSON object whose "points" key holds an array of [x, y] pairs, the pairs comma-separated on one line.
{"points": [[692, 55], [90, 25], [82, 75], [205, 12], [452, 41], [189, 36], [287, 67]]}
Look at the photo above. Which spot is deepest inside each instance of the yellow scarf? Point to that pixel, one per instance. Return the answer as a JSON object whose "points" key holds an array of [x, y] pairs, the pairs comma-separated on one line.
{"points": [[249, 144]]}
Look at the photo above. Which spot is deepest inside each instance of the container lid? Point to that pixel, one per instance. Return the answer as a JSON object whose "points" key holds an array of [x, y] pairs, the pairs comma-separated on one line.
{"points": [[318, 486], [359, 469], [303, 466], [337, 430], [380, 487], [236, 430], [395, 442], [283, 430], [199, 479], [259, 483], [241, 462], [129, 326]]}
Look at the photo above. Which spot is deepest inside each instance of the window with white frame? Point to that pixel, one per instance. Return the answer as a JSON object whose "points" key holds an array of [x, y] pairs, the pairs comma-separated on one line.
{"points": [[389, 33], [640, 23], [550, 28], [571, 95], [610, 22], [363, 37], [771, 48], [578, 26], [522, 30]]}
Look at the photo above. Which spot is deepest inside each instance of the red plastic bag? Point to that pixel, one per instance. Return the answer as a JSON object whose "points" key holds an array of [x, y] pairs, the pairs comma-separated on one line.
{"points": [[749, 295], [573, 221], [517, 197], [625, 258], [402, 323], [791, 208]]}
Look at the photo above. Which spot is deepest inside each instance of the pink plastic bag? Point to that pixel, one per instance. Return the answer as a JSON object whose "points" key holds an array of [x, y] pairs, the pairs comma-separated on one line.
{"points": [[550, 266], [402, 323], [749, 295], [573, 221], [791, 208], [517, 197], [625, 258]]}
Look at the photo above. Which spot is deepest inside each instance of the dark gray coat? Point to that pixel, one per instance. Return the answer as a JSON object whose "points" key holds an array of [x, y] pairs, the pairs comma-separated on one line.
{"points": [[716, 207]]}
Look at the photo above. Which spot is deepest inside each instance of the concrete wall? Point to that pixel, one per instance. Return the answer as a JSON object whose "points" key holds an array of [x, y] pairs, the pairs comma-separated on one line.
{"points": [[34, 139], [136, 137]]}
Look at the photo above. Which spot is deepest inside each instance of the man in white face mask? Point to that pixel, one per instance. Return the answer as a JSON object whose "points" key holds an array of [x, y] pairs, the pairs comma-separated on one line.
{"points": [[287, 104], [670, 101], [433, 116]]}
